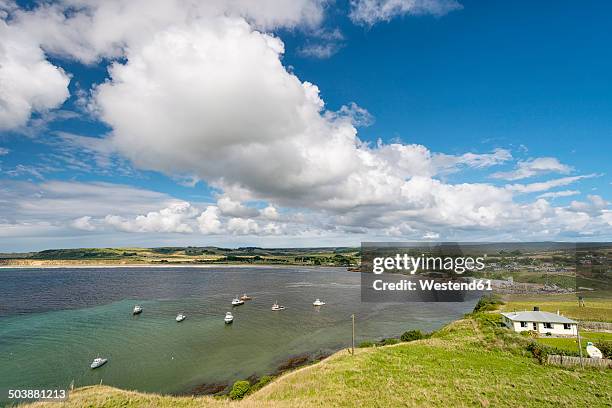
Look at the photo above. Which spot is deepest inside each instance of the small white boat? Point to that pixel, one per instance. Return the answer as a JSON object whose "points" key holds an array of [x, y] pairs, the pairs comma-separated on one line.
{"points": [[245, 297], [180, 317], [137, 310], [229, 318], [98, 362], [593, 351], [318, 303], [276, 306], [237, 302]]}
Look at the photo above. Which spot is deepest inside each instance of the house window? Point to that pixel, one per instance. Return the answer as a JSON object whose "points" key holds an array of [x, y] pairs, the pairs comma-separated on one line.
{"points": [[548, 325], [535, 326], [523, 324], [567, 326]]}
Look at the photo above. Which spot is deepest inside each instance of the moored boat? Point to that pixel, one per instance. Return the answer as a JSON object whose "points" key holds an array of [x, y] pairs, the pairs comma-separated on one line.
{"points": [[180, 317], [98, 362], [276, 306], [318, 303], [137, 310], [229, 318], [237, 302]]}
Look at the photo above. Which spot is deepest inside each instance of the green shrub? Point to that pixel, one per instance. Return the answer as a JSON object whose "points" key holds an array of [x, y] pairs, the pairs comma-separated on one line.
{"points": [[412, 335], [541, 351], [487, 303], [605, 347], [530, 333], [266, 379], [389, 341], [489, 321], [239, 389], [365, 344]]}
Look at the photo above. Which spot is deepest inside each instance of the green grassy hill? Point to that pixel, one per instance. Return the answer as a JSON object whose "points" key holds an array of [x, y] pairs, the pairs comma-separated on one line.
{"points": [[469, 363], [333, 256]]}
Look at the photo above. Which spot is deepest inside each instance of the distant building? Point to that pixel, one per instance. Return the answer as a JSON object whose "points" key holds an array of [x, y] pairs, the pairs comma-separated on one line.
{"points": [[541, 322]]}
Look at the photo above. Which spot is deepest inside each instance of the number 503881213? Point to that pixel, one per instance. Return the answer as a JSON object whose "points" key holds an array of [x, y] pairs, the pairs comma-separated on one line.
{"points": [[44, 394]]}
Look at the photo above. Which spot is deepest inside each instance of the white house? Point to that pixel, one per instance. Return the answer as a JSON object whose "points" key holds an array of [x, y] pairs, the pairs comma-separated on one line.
{"points": [[542, 322]]}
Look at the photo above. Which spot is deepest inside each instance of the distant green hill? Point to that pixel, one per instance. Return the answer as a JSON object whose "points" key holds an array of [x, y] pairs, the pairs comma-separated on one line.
{"points": [[336, 256]]}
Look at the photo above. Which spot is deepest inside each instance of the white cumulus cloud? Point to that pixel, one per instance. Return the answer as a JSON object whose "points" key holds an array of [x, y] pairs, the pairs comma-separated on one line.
{"points": [[28, 82], [83, 223], [171, 219], [209, 222]]}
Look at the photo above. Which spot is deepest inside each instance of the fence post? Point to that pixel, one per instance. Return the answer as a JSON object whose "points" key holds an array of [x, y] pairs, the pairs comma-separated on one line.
{"points": [[353, 339], [579, 345]]}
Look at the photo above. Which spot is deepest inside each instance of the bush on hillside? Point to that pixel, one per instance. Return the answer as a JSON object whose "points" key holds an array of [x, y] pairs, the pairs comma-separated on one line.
{"points": [[605, 347], [365, 344], [266, 379], [389, 341], [412, 335], [530, 333], [487, 303], [538, 350], [541, 351], [239, 389]]}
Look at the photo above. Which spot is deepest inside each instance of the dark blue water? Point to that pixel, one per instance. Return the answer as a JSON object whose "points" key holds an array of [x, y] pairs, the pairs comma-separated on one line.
{"points": [[53, 322]]}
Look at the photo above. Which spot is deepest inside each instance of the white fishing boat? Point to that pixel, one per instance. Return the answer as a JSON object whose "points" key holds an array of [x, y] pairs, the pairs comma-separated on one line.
{"points": [[180, 317], [276, 306], [318, 303], [137, 310], [229, 318], [98, 362], [593, 351], [237, 301]]}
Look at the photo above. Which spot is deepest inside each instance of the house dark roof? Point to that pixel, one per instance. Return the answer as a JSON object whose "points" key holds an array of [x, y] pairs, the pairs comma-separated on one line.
{"points": [[544, 317]]}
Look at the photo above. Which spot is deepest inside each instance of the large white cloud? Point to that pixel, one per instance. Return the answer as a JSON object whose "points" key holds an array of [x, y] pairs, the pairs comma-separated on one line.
{"points": [[199, 110], [184, 103], [88, 30]]}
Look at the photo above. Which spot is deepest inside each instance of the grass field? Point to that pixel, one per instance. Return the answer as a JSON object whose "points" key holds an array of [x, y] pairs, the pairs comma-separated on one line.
{"points": [[571, 344], [468, 363], [596, 309]]}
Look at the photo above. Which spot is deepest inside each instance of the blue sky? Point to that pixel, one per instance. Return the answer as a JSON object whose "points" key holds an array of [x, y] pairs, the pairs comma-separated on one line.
{"points": [[526, 82]]}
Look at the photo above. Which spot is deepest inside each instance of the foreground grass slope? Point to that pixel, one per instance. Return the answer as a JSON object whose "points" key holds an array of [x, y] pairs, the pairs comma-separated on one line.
{"points": [[468, 363], [462, 365]]}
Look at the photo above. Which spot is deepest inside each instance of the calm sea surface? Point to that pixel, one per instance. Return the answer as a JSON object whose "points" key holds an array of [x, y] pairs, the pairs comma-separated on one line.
{"points": [[54, 322]]}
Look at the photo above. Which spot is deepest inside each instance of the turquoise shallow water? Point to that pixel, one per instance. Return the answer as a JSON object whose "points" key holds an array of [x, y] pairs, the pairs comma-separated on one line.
{"points": [[53, 322]]}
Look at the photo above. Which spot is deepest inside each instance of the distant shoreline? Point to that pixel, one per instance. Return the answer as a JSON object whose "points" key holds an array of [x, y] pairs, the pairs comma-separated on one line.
{"points": [[168, 265], [181, 257]]}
